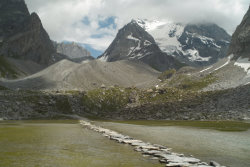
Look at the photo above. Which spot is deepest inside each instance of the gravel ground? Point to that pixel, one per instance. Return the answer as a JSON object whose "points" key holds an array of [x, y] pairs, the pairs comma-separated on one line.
{"points": [[67, 75]]}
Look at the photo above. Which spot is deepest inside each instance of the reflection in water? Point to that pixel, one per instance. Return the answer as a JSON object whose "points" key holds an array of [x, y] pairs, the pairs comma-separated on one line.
{"points": [[229, 148], [62, 144]]}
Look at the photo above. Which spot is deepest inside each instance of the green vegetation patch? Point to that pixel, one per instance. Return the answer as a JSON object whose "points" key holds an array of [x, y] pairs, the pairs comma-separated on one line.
{"points": [[63, 105], [72, 92], [32, 98], [6, 70], [166, 95], [3, 88], [190, 83], [107, 100], [167, 74], [59, 121]]}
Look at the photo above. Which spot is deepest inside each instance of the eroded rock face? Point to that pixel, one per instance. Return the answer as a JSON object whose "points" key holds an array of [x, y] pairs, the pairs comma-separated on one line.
{"points": [[240, 45], [23, 35]]}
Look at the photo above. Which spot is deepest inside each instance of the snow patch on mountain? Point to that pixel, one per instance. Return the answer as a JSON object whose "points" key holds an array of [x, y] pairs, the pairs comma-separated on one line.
{"points": [[147, 43], [243, 63], [165, 33], [193, 55], [149, 25], [205, 40], [132, 38], [208, 68], [104, 58], [226, 63], [137, 48]]}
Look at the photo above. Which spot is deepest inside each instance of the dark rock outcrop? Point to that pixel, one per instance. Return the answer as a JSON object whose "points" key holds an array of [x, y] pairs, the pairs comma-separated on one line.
{"points": [[13, 14], [23, 36], [134, 43], [240, 44]]}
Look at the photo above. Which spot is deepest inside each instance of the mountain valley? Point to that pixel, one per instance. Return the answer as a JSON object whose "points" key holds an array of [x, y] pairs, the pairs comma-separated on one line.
{"points": [[146, 63], [81, 85]]}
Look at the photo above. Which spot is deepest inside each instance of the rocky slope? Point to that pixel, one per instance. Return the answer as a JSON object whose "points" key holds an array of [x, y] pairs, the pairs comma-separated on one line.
{"points": [[240, 45], [67, 75], [127, 103], [193, 44], [16, 105], [73, 51], [23, 36], [225, 74], [134, 43]]}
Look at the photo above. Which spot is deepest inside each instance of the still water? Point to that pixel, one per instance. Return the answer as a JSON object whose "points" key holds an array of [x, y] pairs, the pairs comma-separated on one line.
{"points": [[225, 142], [62, 144], [67, 144]]}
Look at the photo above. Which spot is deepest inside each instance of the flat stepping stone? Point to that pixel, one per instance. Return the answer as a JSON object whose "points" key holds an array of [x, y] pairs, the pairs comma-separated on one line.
{"points": [[132, 141], [150, 152], [149, 147], [178, 165], [176, 159]]}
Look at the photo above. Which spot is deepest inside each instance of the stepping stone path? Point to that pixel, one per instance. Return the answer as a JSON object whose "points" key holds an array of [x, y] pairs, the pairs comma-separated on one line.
{"points": [[154, 151]]}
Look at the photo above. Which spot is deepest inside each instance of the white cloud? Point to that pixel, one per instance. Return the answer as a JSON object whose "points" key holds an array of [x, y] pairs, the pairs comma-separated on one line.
{"points": [[63, 19]]}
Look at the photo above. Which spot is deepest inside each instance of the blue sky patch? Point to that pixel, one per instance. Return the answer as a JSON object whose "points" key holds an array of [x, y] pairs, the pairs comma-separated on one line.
{"points": [[107, 22], [95, 53], [86, 21]]}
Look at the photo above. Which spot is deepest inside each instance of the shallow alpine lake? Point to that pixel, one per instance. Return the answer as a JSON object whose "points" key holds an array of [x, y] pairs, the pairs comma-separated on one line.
{"points": [[226, 142], [67, 144], [62, 144]]}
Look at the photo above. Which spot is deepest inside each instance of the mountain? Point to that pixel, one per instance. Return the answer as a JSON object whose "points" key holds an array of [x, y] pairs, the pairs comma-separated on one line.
{"points": [[67, 75], [73, 51], [193, 44], [22, 36], [93, 51], [134, 43], [240, 45]]}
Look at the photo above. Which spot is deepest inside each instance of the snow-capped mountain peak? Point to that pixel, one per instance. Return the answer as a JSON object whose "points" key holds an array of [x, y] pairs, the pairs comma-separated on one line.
{"points": [[166, 33], [192, 44]]}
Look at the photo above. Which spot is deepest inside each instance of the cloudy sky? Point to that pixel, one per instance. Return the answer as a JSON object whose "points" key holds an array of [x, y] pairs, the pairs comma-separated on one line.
{"points": [[96, 22]]}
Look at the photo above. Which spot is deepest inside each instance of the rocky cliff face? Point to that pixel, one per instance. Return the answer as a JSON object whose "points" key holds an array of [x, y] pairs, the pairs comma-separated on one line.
{"points": [[23, 36], [13, 14], [134, 43], [73, 51], [193, 44], [240, 45]]}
